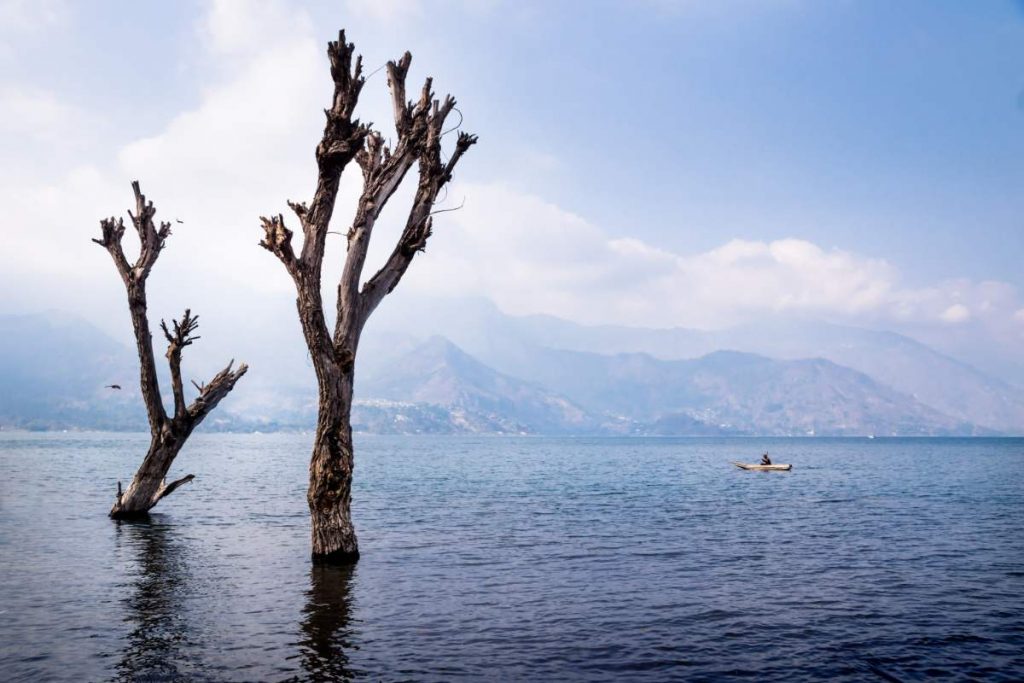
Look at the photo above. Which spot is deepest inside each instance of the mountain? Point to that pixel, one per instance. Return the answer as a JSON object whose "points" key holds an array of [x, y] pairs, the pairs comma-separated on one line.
{"points": [[53, 374], [721, 393], [479, 399], [53, 370], [736, 391], [903, 364]]}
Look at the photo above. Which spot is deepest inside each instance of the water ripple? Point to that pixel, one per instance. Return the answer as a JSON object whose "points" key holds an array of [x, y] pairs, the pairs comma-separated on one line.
{"points": [[520, 559]]}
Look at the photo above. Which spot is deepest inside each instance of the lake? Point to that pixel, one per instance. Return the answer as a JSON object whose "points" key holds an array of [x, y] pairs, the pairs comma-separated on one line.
{"points": [[519, 559]]}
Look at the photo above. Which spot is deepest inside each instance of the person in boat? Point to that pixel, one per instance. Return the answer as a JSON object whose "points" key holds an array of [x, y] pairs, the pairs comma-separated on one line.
{"points": [[765, 460]]}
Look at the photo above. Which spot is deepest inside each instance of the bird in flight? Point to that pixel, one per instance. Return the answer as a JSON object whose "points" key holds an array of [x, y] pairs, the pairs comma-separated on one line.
{"points": [[113, 386]]}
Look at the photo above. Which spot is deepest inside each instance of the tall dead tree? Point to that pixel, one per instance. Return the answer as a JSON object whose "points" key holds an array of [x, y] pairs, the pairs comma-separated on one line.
{"points": [[168, 432], [420, 127]]}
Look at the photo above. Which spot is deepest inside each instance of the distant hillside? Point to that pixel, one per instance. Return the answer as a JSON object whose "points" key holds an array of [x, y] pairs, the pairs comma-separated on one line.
{"points": [[906, 365], [721, 393], [506, 342], [737, 391], [478, 398], [53, 370]]}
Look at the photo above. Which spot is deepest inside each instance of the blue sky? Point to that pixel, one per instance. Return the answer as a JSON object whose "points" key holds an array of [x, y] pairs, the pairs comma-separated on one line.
{"points": [[653, 162], [886, 128]]}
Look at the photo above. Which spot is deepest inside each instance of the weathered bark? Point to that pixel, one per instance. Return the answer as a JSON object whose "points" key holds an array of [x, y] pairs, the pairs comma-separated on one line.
{"points": [[168, 434], [330, 469], [419, 127]]}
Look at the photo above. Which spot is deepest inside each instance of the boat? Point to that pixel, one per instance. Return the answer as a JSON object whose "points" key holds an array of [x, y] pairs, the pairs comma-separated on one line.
{"points": [[763, 468]]}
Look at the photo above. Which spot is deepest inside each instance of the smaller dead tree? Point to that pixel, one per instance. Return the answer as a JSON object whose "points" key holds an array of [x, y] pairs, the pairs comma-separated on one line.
{"points": [[168, 433]]}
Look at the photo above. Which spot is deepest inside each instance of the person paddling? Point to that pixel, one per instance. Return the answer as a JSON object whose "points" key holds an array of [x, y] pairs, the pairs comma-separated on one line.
{"points": [[765, 460]]}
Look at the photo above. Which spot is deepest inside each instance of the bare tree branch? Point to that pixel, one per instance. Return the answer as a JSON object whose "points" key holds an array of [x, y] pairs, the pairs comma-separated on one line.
{"points": [[176, 341], [168, 489], [383, 172], [342, 139], [277, 240], [213, 391], [465, 141], [112, 230], [419, 225], [151, 238], [397, 72], [134, 277]]}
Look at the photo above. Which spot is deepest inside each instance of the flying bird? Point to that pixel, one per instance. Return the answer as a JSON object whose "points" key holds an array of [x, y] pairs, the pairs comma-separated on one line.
{"points": [[113, 386]]}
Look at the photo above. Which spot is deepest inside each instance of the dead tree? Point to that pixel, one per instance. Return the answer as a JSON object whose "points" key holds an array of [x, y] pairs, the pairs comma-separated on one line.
{"points": [[420, 128], [168, 432]]}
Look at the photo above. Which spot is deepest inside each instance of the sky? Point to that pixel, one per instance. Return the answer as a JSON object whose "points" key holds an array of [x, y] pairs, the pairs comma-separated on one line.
{"points": [[654, 162]]}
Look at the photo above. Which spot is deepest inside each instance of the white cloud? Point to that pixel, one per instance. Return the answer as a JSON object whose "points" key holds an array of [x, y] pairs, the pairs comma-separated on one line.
{"points": [[386, 10], [531, 256], [22, 16], [248, 145], [957, 313], [35, 113], [394, 12], [242, 151], [238, 27]]}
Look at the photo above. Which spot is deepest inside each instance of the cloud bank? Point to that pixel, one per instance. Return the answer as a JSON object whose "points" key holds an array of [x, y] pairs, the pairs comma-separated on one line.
{"points": [[247, 146], [531, 256]]}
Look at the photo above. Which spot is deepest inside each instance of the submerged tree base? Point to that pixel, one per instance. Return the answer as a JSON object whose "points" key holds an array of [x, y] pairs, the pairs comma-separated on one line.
{"points": [[130, 515], [336, 559]]}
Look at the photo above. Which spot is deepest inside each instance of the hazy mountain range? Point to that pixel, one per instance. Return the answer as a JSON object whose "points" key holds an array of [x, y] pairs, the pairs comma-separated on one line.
{"points": [[494, 373], [509, 344]]}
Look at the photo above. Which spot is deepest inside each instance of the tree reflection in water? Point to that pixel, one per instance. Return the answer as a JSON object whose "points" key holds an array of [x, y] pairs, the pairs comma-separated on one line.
{"points": [[327, 623], [157, 646]]}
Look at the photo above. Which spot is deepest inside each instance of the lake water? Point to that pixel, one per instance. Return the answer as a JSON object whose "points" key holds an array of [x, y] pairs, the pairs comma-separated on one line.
{"points": [[520, 559]]}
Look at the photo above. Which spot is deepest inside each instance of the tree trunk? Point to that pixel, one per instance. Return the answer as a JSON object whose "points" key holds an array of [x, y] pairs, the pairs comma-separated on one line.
{"points": [[330, 494], [330, 472], [149, 483]]}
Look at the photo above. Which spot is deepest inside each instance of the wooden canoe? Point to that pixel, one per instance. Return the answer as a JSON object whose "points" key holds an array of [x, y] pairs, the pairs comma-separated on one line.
{"points": [[763, 468]]}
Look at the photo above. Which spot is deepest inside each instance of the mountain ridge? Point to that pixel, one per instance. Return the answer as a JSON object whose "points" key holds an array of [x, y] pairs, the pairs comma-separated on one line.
{"points": [[436, 386], [947, 384]]}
